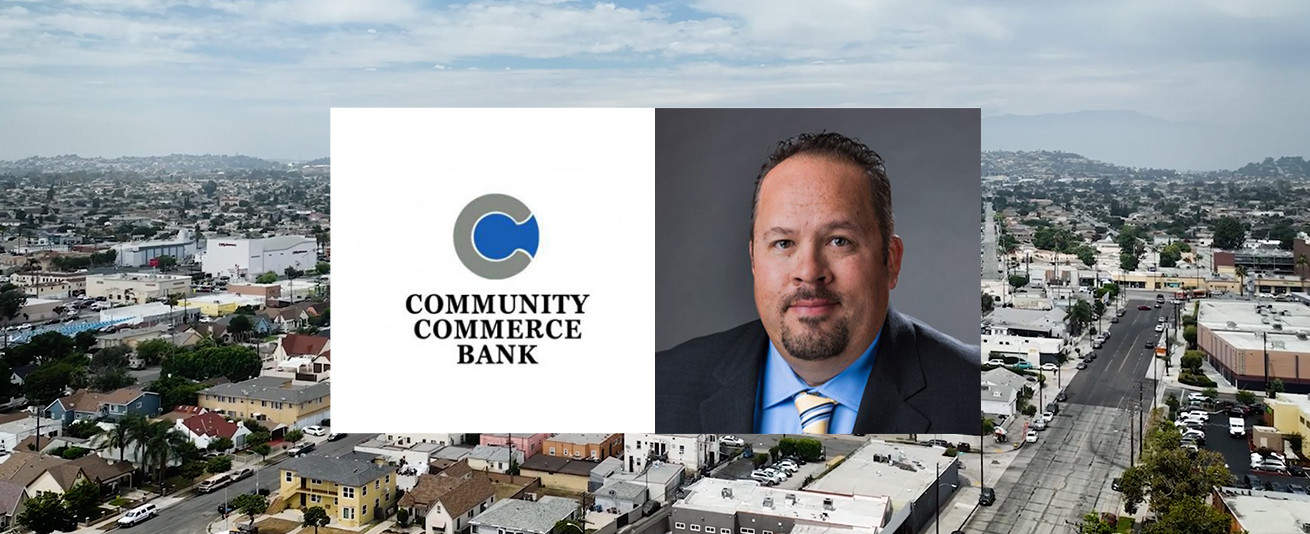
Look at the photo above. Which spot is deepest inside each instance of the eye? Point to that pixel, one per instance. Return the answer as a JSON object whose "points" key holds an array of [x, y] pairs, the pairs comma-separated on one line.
{"points": [[840, 241], [782, 244]]}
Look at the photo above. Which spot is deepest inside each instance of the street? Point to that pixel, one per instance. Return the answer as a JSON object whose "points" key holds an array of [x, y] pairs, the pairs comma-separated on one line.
{"points": [[196, 512], [1122, 363]]}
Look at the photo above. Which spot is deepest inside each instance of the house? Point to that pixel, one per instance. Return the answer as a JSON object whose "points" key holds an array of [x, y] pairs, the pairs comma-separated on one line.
{"points": [[691, 450], [305, 355], [526, 517], [559, 473], [269, 398], [12, 499], [1000, 391], [530, 444], [90, 405], [204, 428], [352, 492], [293, 317], [486, 457], [15, 427], [450, 499], [39, 472], [21, 372], [596, 447], [621, 496]]}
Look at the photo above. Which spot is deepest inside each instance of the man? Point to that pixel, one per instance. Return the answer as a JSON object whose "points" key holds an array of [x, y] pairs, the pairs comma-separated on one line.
{"points": [[828, 354]]}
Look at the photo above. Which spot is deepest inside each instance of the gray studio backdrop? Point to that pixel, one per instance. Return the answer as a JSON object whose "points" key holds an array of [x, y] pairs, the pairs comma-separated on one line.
{"points": [[705, 166]]}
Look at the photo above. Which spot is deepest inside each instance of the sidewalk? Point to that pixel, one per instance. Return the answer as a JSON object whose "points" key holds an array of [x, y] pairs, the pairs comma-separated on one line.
{"points": [[111, 521]]}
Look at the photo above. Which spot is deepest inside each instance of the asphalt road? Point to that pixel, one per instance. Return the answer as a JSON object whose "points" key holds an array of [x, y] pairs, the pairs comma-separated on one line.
{"points": [[197, 511], [1111, 380]]}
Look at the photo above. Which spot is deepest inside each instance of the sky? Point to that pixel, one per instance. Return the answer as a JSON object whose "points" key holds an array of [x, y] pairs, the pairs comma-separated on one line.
{"points": [[257, 77]]}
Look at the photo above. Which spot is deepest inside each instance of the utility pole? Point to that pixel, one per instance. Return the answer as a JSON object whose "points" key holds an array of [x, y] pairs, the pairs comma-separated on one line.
{"points": [[1141, 421], [1132, 445]]}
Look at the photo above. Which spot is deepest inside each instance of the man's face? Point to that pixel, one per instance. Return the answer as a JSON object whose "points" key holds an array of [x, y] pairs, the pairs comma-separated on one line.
{"points": [[821, 282]]}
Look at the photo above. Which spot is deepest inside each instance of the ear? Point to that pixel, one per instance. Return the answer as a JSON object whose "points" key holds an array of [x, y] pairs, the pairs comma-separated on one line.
{"points": [[895, 250], [750, 252]]}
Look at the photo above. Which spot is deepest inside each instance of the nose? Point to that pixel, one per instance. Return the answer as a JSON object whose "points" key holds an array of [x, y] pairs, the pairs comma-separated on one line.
{"points": [[811, 267]]}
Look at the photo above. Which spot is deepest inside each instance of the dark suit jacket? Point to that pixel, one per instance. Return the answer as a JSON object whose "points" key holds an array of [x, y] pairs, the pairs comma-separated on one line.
{"points": [[922, 381]]}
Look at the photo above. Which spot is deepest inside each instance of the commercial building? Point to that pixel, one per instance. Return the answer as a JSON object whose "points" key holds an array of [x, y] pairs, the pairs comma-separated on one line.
{"points": [[223, 303], [352, 492], [578, 446], [137, 288], [912, 479], [513, 516], [50, 285], [273, 399], [152, 313], [1291, 415], [529, 443], [720, 506], [691, 450], [1250, 343], [143, 253], [249, 258], [1263, 512]]}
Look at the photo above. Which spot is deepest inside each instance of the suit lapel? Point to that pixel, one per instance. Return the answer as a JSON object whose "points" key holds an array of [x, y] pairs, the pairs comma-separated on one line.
{"points": [[731, 409], [897, 376]]}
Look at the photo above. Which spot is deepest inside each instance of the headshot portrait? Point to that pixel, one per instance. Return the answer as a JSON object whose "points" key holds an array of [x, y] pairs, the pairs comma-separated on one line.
{"points": [[815, 271]]}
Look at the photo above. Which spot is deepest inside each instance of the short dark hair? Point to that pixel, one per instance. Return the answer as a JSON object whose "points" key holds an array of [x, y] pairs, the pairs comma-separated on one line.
{"points": [[843, 149]]}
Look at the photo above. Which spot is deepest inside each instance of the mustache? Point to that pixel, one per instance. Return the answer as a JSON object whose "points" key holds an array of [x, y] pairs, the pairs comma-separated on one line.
{"points": [[809, 293]]}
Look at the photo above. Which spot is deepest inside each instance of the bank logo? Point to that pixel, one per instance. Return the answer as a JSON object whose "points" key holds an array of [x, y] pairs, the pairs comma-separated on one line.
{"points": [[496, 236]]}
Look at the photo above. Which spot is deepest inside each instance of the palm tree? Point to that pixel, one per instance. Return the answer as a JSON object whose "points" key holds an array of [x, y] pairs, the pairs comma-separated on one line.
{"points": [[171, 300], [1240, 271], [161, 443], [125, 432]]}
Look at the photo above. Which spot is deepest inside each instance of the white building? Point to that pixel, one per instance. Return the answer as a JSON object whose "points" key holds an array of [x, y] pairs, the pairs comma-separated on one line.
{"points": [[152, 313], [140, 253], [690, 450], [251, 257], [137, 288]]}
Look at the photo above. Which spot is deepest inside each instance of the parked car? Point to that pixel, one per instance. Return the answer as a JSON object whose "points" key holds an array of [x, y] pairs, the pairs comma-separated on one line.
{"points": [[1114, 484], [214, 482], [315, 430], [1050, 367], [1114, 319], [335, 436], [1023, 365], [1144, 307], [1082, 365], [996, 362], [300, 449], [732, 441], [987, 497], [1150, 343], [136, 515], [1159, 327], [1119, 312], [1031, 437], [242, 473]]}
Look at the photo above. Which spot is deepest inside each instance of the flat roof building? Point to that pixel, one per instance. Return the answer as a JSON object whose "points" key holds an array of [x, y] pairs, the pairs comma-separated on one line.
{"points": [[1239, 336]]}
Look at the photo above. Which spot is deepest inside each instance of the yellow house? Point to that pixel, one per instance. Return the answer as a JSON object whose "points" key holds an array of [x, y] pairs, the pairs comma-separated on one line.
{"points": [[1292, 416], [222, 304], [353, 492], [270, 398]]}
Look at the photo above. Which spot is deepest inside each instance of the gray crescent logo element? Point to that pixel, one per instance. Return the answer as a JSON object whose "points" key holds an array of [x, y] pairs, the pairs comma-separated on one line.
{"points": [[467, 248]]}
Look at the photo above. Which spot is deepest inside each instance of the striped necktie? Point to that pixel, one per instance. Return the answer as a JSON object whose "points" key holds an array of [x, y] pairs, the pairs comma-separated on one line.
{"points": [[815, 412]]}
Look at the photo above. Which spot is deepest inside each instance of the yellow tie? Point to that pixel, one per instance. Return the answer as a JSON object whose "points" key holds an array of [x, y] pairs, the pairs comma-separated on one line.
{"points": [[815, 411]]}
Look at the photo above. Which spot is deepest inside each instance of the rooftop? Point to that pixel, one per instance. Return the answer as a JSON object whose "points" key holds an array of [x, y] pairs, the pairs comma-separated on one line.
{"points": [[527, 516], [1267, 512], [1241, 324], [815, 509], [908, 475], [581, 439], [270, 388], [138, 277], [340, 471]]}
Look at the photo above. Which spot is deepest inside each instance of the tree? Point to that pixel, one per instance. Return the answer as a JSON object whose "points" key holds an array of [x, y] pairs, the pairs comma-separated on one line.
{"points": [[47, 382], [111, 357], [323, 267], [1240, 271], [220, 444], [1301, 263], [1275, 388], [1171, 476], [250, 504], [240, 326], [294, 435], [161, 443], [1189, 334], [84, 340], [125, 432], [266, 278], [166, 263], [1228, 233], [262, 449], [219, 464], [237, 363], [1018, 280], [1092, 524], [45, 513], [12, 301], [155, 351], [293, 273], [316, 516], [1245, 397], [175, 390], [82, 429], [209, 188], [1212, 393], [988, 303], [1079, 315], [1192, 516], [83, 499], [1128, 261]]}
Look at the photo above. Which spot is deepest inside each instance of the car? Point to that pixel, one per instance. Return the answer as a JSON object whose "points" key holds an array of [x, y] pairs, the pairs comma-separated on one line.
{"points": [[1119, 312], [1159, 327], [732, 441], [1114, 319], [996, 362], [1157, 305], [242, 473], [939, 443], [1048, 416], [1031, 437], [1023, 365], [137, 515], [300, 449], [987, 497], [1082, 365], [1190, 446], [1050, 367], [1114, 484], [1062, 396], [1091, 356], [1096, 344], [335, 436], [1278, 486], [1144, 307], [225, 508], [1039, 424], [315, 430], [1150, 343]]}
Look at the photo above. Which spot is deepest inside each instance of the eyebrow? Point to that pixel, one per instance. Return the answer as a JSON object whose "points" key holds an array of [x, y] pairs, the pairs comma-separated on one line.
{"points": [[835, 225]]}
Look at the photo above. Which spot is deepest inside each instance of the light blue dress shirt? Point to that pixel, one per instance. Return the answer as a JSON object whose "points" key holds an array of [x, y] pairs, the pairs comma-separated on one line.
{"points": [[775, 412]]}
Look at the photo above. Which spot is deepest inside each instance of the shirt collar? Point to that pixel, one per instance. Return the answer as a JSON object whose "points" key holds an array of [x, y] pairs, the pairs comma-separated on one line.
{"points": [[847, 388]]}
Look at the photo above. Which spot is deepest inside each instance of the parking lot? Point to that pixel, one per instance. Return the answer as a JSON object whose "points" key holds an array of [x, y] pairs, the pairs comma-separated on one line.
{"points": [[740, 469]]}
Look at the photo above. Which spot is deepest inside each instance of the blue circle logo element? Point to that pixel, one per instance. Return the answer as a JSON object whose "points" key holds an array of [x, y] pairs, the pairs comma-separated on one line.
{"points": [[496, 236]]}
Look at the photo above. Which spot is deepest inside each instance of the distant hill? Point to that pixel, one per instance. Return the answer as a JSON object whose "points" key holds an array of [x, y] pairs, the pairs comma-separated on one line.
{"points": [[1056, 164], [1293, 167], [319, 161], [140, 164]]}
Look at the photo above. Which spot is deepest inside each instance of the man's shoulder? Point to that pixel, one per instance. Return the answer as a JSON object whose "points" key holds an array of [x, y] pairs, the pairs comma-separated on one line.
{"points": [[712, 344], [943, 352]]}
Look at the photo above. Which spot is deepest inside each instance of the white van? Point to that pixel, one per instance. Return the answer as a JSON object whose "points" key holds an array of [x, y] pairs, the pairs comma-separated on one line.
{"points": [[213, 483], [137, 515], [1236, 427]]}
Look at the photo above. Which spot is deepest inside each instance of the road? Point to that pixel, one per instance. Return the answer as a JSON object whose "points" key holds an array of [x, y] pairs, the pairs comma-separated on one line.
{"points": [[1121, 364], [1052, 483], [196, 512]]}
